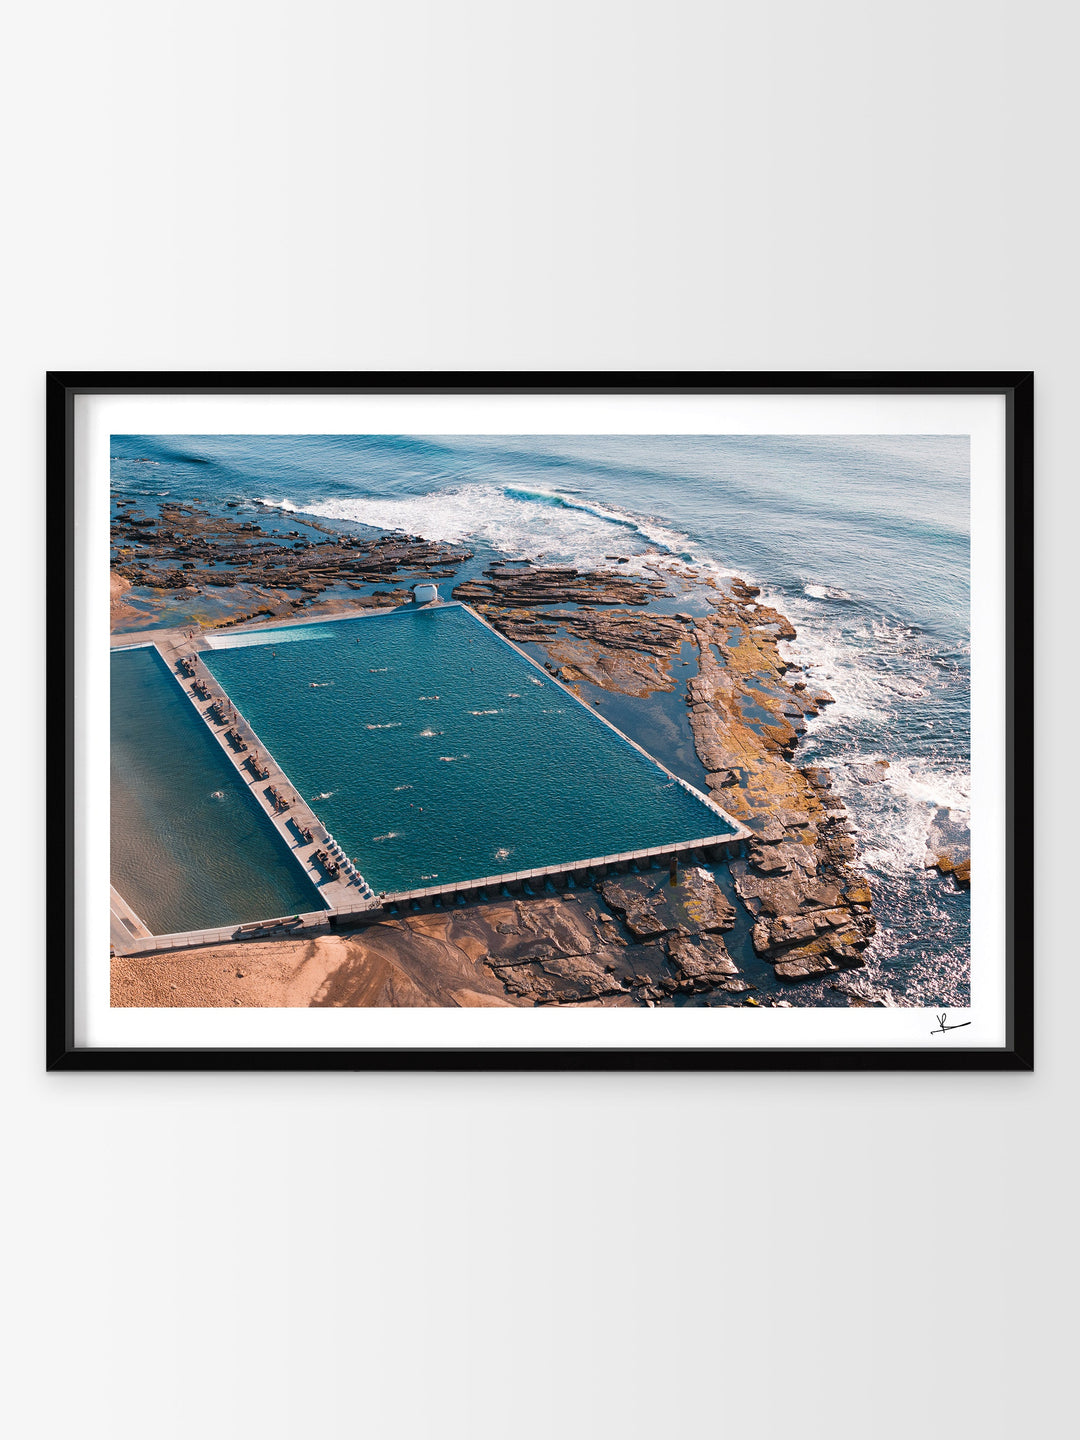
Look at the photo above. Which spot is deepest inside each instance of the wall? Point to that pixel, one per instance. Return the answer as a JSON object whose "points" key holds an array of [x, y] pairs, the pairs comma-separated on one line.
{"points": [[571, 183]]}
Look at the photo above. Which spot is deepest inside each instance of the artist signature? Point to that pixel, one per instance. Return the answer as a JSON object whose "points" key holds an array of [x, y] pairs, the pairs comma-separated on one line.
{"points": [[942, 1027]]}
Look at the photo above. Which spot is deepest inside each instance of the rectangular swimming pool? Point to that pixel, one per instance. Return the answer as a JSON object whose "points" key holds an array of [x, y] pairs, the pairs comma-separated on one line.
{"points": [[437, 754], [191, 848]]}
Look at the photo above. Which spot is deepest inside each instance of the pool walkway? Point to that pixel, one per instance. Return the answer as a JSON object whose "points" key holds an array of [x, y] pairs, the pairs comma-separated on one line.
{"points": [[124, 925]]}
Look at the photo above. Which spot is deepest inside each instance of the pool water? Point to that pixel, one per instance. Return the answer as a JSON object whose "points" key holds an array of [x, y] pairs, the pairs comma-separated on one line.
{"points": [[435, 753]]}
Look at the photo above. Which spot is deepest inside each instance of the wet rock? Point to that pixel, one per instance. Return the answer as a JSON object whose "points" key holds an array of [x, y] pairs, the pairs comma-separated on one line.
{"points": [[862, 993], [770, 860], [805, 965], [654, 907], [700, 959], [720, 779], [948, 847], [869, 772], [194, 547]]}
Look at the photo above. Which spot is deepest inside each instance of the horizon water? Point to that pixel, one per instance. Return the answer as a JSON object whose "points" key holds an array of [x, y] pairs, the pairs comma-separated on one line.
{"points": [[863, 541]]}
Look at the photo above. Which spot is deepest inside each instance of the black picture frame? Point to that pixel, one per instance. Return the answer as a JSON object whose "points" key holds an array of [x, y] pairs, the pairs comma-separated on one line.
{"points": [[62, 389]]}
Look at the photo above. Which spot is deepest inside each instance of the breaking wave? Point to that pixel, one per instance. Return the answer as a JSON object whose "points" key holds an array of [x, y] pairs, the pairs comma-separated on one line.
{"points": [[514, 520], [825, 592]]}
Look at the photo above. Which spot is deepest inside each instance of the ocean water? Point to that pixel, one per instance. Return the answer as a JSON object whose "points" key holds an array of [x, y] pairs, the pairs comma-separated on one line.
{"points": [[191, 849], [435, 754], [862, 540]]}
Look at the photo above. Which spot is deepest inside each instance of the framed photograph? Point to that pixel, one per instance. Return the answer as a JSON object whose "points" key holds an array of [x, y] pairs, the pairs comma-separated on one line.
{"points": [[539, 721]]}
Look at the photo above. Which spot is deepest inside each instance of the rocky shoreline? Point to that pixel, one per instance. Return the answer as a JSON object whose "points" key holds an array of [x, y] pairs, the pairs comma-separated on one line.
{"points": [[636, 938], [187, 552], [812, 907]]}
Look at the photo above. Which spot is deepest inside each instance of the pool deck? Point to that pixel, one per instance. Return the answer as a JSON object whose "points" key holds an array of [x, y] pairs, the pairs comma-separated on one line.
{"points": [[349, 901], [124, 925]]}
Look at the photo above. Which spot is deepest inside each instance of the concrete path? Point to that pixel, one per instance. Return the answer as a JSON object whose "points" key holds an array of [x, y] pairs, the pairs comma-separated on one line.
{"points": [[125, 927]]}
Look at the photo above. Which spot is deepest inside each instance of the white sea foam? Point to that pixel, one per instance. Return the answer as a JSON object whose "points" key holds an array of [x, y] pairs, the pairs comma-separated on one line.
{"points": [[403, 787], [390, 725], [825, 592], [485, 712], [514, 520], [894, 815], [390, 835], [876, 669], [428, 733]]}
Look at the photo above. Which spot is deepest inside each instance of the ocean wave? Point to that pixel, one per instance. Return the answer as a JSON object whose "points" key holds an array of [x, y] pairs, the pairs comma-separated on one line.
{"points": [[389, 725], [894, 816], [825, 592], [876, 668], [512, 520]]}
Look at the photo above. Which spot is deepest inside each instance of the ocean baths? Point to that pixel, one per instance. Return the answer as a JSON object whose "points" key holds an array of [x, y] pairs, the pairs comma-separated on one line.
{"points": [[436, 756]]}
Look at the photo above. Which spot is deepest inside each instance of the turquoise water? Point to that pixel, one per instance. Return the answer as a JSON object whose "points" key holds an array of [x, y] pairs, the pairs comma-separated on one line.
{"points": [[191, 849], [436, 754]]}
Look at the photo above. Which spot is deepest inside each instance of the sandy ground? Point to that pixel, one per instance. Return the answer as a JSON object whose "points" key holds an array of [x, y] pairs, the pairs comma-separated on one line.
{"points": [[386, 964], [567, 949]]}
